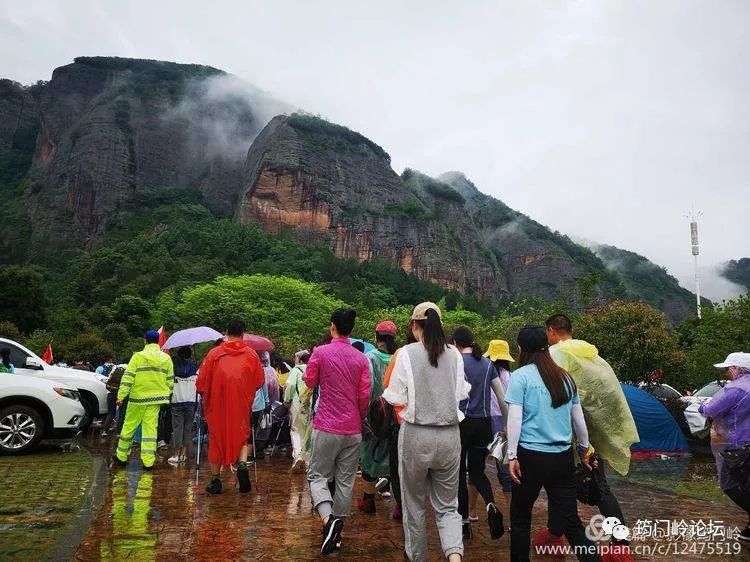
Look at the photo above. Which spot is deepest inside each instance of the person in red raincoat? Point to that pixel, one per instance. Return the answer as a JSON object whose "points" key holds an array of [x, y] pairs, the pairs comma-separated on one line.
{"points": [[228, 378]]}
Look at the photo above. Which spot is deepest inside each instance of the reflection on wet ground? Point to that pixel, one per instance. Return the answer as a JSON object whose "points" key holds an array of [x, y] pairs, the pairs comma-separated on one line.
{"points": [[41, 495], [165, 515]]}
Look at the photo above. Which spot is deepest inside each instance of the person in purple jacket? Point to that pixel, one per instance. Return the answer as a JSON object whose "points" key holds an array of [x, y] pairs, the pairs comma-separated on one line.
{"points": [[729, 410], [343, 375]]}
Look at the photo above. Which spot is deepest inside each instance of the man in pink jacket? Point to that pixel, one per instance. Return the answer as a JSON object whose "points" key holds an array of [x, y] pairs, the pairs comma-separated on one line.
{"points": [[343, 375]]}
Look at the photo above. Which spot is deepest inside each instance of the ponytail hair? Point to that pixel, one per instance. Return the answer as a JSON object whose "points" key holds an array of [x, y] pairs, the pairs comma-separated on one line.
{"points": [[559, 383], [433, 337], [464, 337]]}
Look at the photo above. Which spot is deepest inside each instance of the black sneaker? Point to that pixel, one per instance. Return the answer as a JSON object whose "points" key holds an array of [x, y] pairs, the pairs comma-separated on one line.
{"points": [[744, 535], [466, 530], [331, 536], [495, 521], [115, 462], [214, 487], [243, 477]]}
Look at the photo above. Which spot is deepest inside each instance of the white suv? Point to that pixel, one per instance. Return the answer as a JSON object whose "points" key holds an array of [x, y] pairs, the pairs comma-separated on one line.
{"points": [[93, 392], [32, 409]]}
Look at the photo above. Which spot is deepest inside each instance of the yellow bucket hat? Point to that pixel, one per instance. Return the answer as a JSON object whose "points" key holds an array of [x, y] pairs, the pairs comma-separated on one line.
{"points": [[499, 349]]}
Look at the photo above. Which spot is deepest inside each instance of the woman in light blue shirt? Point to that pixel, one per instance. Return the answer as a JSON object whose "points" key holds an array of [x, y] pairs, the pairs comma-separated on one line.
{"points": [[543, 407]]}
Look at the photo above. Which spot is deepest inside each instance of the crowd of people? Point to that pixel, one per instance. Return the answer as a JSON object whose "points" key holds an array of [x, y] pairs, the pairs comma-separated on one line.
{"points": [[417, 422]]}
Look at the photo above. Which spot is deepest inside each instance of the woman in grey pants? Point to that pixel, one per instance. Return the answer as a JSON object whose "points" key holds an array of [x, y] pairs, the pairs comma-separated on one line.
{"points": [[428, 378]]}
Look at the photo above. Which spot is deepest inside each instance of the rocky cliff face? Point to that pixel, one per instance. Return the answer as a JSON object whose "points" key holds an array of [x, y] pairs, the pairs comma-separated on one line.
{"points": [[331, 184], [536, 261], [106, 131], [110, 128]]}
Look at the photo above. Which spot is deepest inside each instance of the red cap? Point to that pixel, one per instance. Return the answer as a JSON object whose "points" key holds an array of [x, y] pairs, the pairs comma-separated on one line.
{"points": [[386, 327]]}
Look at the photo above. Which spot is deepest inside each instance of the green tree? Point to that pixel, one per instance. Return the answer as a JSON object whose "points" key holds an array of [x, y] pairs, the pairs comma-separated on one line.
{"points": [[89, 346], [635, 339], [723, 329], [292, 313], [8, 330], [23, 297]]}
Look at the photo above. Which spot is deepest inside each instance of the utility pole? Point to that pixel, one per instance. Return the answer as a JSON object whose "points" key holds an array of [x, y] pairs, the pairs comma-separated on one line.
{"points": [[696, 252]]}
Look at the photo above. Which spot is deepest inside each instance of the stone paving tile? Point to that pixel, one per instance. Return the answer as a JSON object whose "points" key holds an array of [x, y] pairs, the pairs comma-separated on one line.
{"points": [[164, 515]]}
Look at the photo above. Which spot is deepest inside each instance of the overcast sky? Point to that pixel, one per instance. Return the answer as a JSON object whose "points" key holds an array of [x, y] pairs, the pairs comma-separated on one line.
{"points": [[605, 120]]}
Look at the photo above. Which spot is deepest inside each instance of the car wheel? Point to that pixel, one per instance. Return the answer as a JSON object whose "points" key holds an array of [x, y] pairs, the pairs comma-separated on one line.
{"points": [[92, 408], [21, 428]]}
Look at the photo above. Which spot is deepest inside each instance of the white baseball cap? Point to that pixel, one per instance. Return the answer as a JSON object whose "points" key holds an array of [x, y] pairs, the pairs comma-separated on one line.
{"points": [[736, 359]]}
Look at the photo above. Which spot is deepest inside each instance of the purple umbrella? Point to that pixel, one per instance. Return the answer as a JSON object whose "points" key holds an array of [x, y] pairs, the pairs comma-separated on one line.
{"points": [[191, 336]]}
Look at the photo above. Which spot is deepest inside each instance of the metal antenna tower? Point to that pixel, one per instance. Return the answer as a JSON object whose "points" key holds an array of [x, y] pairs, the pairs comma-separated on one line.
{"points": [[696, 248]]}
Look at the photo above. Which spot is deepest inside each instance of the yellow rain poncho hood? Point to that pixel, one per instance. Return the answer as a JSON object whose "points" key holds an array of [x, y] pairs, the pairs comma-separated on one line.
{"points": [[608, 418]]}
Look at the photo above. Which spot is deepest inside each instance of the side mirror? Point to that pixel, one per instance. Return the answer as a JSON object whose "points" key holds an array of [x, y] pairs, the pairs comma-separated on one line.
{"points": [[32, 363]]}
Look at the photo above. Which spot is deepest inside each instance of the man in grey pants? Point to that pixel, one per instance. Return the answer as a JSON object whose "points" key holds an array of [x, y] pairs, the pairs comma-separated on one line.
{"points": [[343, 374]]}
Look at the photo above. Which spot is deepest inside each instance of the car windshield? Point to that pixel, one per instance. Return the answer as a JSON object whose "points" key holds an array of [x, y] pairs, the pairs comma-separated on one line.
{"points": [[709, 390], [17, 357]]}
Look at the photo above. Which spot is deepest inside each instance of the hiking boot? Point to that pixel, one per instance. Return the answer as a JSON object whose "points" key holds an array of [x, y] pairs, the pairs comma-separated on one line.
{"points": [[116, 463], [744, 535], [243, 478], [214, 487], [366, 504], [331, 536], [466, 530], [495, 521]]}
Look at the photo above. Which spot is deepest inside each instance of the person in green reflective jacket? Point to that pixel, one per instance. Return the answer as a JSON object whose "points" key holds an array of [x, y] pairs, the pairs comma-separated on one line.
{"points": [[147, 384], [374, 455]]}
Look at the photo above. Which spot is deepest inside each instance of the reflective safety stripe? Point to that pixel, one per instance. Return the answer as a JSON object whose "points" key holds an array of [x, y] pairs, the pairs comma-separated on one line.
{"points": [[151, 400], [155, 369], [123, 448], [148, 439], [126, 384]]}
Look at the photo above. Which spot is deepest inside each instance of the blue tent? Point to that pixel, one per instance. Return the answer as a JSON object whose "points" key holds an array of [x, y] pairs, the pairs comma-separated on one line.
{"points": [[656, 427]]}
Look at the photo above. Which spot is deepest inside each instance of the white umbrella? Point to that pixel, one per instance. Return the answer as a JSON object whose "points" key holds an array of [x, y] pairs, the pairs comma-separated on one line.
{"points": [[191, 336]]}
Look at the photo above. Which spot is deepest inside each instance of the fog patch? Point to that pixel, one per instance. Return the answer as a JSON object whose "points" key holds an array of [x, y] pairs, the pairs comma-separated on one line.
{"points": [[224, 115]]}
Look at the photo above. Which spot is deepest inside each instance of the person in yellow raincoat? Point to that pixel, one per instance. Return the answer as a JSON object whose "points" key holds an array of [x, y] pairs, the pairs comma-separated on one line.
{"points": [[608, 418]]}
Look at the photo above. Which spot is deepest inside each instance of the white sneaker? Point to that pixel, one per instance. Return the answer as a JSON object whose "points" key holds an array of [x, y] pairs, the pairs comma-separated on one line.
{"points": [[175, 459]]}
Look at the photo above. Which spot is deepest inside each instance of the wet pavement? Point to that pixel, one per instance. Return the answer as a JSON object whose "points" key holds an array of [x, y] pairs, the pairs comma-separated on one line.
{"points": [[43, 499], [163, 515]]}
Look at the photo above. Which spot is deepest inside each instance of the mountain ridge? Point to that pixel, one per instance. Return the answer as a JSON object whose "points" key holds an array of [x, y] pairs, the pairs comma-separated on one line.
{"points": [[104, 130]]}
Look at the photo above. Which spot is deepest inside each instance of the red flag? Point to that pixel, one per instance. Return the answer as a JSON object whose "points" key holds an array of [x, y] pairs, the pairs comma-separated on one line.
{"points": [[48, 357], [162, 337]]}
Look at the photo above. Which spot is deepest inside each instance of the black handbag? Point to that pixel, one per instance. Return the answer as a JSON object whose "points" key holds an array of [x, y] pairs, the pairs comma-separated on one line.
{"points": [[589, 482], [737, 463]]}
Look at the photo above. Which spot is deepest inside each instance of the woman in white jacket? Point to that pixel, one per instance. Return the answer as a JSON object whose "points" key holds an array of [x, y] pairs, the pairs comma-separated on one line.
{"points": [[183, 403]]}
